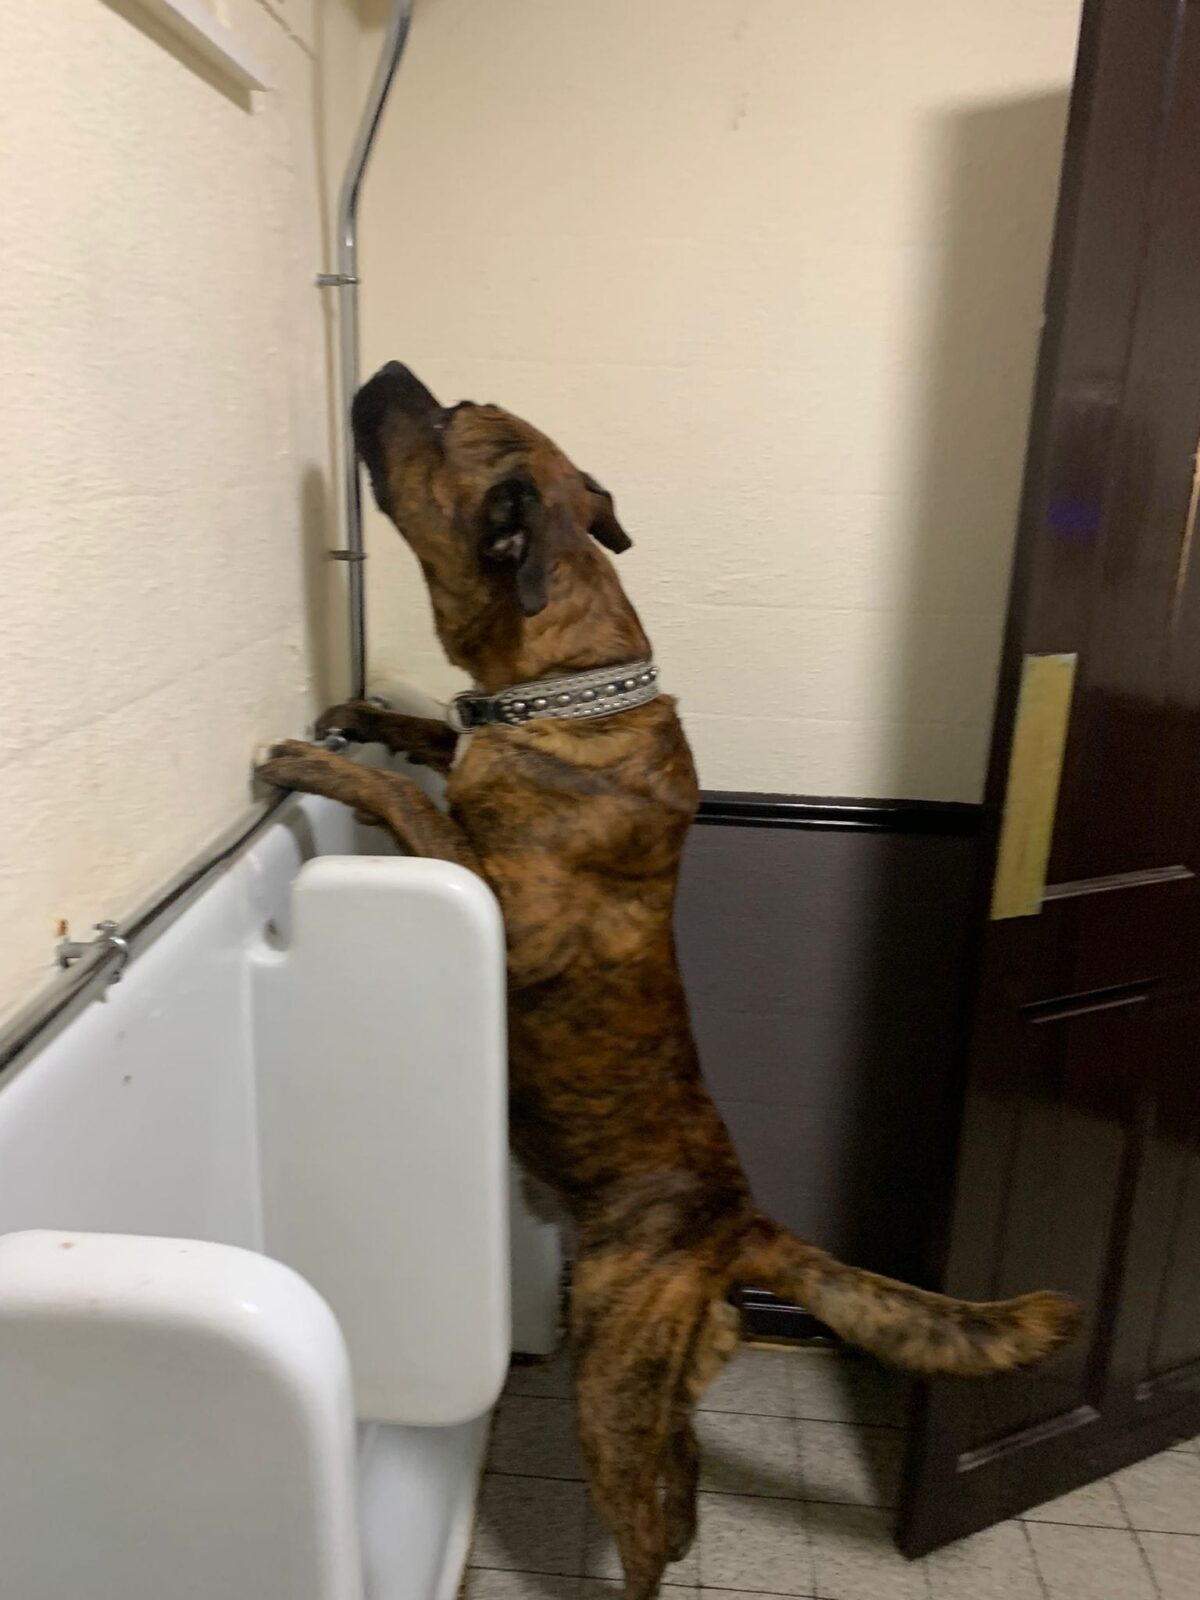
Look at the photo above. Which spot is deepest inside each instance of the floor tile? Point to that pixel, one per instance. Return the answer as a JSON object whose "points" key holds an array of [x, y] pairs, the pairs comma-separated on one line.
{"points": [[849, 1465], [856, 1559], [996, 1564], [548, 1379], [754, 1544], [832, 1387], [600, 1558], [878, 1395], [748, 1455], [738, 1594], [607, 1588], [482, 1585], [821, 1386], [536, 1436], [1162, 1495], [1094, 1506], [1089, 1563], [530, 1525], [755, 1381], [1175, 1562]]}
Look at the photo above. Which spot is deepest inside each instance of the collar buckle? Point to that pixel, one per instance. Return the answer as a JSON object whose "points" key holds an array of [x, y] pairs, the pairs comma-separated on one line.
{"points": [[466, 711]]}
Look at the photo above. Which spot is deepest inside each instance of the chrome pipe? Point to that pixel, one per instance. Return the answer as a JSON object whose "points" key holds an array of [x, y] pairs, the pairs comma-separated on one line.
{"points": [[345, 280]]}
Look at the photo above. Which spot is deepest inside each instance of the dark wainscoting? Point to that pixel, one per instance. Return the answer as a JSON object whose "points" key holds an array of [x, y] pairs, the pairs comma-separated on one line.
{"points": [[822, 945]]}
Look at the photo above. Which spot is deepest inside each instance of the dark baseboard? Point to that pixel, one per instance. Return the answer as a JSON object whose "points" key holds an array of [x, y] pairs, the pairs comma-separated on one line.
{"points": [[765, 1317], [945, 818]]}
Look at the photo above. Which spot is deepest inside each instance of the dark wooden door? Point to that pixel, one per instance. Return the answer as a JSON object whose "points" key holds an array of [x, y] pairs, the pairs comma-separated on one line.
{"points": [[1078, 1164]]}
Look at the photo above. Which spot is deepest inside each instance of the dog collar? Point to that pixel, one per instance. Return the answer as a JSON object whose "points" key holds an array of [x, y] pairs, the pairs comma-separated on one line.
{"points": [[574, 696]]}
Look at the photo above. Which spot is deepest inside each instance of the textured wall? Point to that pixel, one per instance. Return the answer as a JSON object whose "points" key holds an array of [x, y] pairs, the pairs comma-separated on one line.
{"points": [[164, 457], [773, 272]]}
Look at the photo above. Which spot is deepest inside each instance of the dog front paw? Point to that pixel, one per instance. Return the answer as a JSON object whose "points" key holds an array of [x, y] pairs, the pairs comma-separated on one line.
{"points": [[354, 718], [294, 764]]}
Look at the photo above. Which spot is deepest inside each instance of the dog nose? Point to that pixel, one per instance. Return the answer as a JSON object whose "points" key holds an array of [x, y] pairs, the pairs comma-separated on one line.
{"points": [[393, 389], [405, 389]]}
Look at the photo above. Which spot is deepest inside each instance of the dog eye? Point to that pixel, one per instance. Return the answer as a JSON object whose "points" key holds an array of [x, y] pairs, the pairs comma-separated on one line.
{"points": [[508, 504]]}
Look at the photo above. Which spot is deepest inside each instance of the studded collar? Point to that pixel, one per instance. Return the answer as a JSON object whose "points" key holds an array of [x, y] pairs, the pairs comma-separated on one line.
{"points": [[573, 696]]}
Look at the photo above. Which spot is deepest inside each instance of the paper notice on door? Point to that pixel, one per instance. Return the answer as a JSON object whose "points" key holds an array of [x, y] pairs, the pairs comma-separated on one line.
{"points": [[1031, 798]]}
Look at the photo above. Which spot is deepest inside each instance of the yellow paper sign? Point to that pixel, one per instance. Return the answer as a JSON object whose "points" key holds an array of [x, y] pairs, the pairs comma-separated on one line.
{"points": [[1034, 770]]}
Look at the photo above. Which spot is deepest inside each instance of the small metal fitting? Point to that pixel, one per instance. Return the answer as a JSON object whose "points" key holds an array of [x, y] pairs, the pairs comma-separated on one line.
{"points": [[107, 940]]}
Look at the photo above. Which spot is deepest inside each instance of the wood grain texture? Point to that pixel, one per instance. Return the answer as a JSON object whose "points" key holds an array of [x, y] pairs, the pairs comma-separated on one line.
{"points": [[1080, 1146]]}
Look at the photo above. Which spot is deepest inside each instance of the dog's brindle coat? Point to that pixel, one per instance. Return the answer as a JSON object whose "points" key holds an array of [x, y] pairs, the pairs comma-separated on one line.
{"points": [[578, 828]]}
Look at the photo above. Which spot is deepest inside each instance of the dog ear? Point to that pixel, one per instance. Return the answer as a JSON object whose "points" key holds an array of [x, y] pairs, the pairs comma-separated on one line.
{"points": [[604, 527], [514, 531]]}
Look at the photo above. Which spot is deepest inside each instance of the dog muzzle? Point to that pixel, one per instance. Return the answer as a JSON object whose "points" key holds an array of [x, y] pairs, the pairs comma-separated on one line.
{"points": [[573, 697]]}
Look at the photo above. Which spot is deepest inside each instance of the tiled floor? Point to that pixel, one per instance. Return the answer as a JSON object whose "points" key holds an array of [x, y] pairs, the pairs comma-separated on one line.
{"points": [[802, 1454]]}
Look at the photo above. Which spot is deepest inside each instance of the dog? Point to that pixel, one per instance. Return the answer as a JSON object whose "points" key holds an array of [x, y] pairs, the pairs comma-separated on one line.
{"points": [[578, 824]]}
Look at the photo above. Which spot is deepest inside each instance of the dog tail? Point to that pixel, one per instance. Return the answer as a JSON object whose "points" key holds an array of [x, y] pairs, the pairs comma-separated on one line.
{"points": [[906, 1327]]}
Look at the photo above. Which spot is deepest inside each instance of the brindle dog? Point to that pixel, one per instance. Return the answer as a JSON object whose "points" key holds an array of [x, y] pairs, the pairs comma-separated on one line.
{"points": [[578, 828]]}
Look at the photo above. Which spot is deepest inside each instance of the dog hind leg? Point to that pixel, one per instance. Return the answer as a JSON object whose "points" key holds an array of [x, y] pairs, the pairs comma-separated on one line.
{"points": [[681, 1477], [634, 1325], [716, 1339]]}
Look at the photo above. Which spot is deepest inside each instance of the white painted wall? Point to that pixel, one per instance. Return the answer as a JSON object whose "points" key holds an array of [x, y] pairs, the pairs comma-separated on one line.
{"points": [[164, 452], [772, 270]]}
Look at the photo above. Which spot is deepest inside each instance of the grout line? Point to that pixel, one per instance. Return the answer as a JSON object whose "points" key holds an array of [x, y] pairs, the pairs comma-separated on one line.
{"points": [[712, 1588], [1037, 1571], [1146, 1562], [616, 1583], [723, 1494], [584, 1529], [532, 1477], [1065, 1522], [528, 1572], [771, 1499], [1120, 1501], [791, 1416]]}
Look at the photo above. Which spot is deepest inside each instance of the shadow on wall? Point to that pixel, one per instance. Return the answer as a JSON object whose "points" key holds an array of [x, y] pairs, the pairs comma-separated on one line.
{"points": [[997, 171], [325, 597], [334, 121], [994, 175], [827, 969]]}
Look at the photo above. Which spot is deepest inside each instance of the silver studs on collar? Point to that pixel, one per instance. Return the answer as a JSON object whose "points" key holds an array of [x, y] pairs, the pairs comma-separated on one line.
{"points": [[575, 696]]}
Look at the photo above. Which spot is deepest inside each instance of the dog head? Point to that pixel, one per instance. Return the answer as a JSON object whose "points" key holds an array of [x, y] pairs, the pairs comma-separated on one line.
{"points": [[505, 528]]}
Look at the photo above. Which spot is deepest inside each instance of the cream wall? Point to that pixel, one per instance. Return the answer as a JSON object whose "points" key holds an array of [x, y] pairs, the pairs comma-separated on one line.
{"points": [[772, 270], [164, 454]]}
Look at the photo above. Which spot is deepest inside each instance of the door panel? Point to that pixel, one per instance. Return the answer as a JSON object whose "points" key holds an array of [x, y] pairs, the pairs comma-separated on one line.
{"points": [[1079, 1161], [1158, 1342]]}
